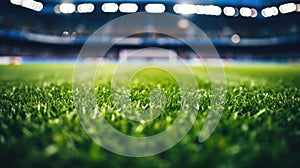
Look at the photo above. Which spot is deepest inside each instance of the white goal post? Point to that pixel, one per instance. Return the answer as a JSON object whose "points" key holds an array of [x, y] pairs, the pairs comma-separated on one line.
{"points": [[152, 54]]}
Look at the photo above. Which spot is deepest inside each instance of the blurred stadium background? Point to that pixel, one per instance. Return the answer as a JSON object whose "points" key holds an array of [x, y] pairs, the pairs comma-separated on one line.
{"points": [[48, 31]]}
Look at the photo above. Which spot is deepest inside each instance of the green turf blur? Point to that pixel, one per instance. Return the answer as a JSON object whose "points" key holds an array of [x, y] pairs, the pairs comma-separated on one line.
{"points": [[260, 126]]}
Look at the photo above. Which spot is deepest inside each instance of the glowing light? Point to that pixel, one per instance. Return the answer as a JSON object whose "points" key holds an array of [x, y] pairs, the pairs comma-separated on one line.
{"points": [[229, 11], [128, 7], [109, 7], [183, 23], [85, 8], [38, 6], [67, 8], [56, 9], [287, 8], [275, 11], [270, 11], [73, 36], [209, 10], [253, 12], [245, 12], [298, 7], [65, 34], [235, 38], [185, 9], [155, 8], [29, 4], [16, 2]]}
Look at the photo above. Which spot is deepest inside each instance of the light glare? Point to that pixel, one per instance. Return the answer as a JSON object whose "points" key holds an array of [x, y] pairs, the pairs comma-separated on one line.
{"points": [[85, 8], [245, 12], [155, 8], [287, 8], [270, 11], [229, 11], [128, 7], [209, 10], [185, 9], [235, 38], [109, 7], [29, 4]]}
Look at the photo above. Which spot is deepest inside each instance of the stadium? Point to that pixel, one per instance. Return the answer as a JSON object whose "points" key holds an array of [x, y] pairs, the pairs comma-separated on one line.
{"points": [[150, 83]]}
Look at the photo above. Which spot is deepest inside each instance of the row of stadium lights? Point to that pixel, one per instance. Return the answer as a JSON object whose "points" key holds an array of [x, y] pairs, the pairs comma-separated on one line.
{"points": [[185, 9]]}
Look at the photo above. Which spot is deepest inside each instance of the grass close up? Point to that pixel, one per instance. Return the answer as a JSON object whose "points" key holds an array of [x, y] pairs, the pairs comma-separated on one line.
{"points": [[260, 125]]}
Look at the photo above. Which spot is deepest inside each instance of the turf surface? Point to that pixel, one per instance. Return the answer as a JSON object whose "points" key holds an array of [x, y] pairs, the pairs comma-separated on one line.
{"points": [[260, 125]]}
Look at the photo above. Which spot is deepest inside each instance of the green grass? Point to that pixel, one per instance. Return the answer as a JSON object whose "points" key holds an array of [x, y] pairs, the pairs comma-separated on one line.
{"points": [[260, 125]]}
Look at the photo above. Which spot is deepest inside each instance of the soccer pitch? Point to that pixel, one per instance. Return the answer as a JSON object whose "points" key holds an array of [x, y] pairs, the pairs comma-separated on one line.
{"points": [[260, 125]]}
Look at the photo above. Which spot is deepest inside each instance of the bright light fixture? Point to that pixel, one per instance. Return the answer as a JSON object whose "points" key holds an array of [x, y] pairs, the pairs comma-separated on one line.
{"points": [[229, 11], [67, 8], [85, 8], [30, 4], [185, 9], [209, 10], [269, 11], [253, 12], [235, 38], [16, 2], [155, 8], [245, 12], [287, 8], [128, 7], [110, 7]]}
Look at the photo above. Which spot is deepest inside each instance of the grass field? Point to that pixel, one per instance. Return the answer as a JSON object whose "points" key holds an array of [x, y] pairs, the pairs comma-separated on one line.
{"points": [[260, 125]]}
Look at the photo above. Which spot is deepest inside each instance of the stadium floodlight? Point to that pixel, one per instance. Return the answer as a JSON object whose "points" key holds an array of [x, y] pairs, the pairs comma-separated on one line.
{"points": [[155, 8], [275, 11], [235, 38], [85, 8], [110, 7], [56, 9], [16, 2], [128, 7], [245, 12], [287, 8], [298, 8], [67, 8], [38, 6], [185, 9], [269, 11], [209, 10], [29, 4], [253, 12], [229, 11], [214, 10]]}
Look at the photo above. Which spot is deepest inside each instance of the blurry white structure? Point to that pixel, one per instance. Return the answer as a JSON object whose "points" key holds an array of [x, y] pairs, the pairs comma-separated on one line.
{"points": [[148, 55]]}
